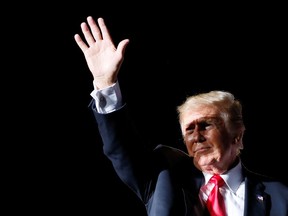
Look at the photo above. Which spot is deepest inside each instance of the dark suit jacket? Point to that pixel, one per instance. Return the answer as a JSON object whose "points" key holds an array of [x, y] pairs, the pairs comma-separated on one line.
{"points": [[165, 179]]}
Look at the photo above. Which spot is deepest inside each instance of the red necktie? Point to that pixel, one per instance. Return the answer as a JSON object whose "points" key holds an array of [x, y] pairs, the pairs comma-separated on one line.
{"points": [[215, 202]]}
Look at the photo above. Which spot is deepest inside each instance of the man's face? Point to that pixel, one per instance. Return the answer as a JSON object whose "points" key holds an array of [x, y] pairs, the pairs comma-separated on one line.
{"points": [[207, 140]]}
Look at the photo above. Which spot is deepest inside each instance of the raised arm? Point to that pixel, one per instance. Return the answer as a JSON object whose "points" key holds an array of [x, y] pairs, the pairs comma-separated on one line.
{"points": [[103, 58], [121, 142]]}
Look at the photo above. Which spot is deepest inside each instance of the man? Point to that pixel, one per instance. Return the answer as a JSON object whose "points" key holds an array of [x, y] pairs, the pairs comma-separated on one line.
{"points": [[167, 180]]}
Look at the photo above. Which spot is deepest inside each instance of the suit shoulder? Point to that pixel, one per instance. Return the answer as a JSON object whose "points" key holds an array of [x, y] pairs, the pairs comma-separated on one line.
{"points": [[255, 177]]}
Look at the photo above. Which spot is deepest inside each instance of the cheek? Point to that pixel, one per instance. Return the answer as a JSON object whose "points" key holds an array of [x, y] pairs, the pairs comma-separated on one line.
{"points": [[190, 150], [189, 145], [220, 139]]}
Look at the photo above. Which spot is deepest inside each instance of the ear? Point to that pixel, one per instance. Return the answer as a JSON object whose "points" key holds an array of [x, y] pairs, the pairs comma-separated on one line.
{"points": [[238, 138]]}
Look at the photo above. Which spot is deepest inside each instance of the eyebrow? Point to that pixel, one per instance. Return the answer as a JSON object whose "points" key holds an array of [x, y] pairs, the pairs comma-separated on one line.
{"points": [[210, 118]]}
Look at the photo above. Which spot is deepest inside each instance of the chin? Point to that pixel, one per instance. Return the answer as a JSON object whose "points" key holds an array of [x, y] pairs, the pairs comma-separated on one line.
{"points": [[205, 161]]}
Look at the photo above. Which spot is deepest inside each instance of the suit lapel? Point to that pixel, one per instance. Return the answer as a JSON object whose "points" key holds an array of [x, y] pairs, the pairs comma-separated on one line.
{"points": [[256, 200]]}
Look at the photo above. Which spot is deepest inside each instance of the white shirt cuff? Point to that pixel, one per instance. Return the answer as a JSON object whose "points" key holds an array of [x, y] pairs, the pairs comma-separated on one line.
{"points": [[109, 99]]}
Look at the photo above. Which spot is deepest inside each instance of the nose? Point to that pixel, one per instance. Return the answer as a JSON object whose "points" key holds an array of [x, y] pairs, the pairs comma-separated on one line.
{"points": [[197, 135]]}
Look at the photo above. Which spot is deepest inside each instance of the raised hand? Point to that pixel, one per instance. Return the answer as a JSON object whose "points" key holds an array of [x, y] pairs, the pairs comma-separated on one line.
{"points": [[103, 58]]}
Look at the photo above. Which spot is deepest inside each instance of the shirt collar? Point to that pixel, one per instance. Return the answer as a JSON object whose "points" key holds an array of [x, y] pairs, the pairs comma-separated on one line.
{"points": [[233, 178]]}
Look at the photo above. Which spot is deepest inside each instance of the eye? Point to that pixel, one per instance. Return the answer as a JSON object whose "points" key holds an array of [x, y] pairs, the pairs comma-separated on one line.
{"points": [[204, 125], [190, 129], [201, 126]]}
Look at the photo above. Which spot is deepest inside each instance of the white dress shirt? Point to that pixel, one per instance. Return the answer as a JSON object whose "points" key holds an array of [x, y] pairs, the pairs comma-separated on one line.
{"points": [[233, 191]]}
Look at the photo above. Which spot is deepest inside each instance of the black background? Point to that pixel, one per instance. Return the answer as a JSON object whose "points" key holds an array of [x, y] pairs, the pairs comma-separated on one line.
{"points": [[175, 50]]}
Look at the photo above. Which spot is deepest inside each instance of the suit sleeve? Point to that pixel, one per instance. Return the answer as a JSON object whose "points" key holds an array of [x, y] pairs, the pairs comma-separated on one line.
{"points": [[123, 146]]}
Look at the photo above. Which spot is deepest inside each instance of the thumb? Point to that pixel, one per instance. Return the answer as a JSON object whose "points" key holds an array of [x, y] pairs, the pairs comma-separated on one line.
{"points": [[122, 46]]}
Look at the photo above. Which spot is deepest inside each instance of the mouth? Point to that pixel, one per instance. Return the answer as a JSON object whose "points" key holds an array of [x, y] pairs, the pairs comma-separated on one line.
{"points": [[201, 149]]}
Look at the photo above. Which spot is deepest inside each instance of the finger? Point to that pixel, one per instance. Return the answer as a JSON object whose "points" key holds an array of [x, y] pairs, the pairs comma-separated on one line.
{"points": [[104, 29], [122, 46], [83, 46], [94, 28], [87, 34]]}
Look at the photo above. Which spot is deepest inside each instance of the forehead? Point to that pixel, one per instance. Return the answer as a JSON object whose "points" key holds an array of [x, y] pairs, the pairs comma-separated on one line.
{"points": [[199, 114]]}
